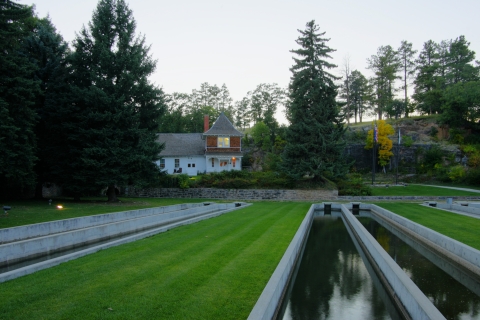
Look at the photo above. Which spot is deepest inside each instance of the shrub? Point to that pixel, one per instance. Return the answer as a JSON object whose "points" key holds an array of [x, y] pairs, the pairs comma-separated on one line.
{"points": [[456, 173], [407, 141], [472, 177], [457, 135], [353, 186], [183, 181]]}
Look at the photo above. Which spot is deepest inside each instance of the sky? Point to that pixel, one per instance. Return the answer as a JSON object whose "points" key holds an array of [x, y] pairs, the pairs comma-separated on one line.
{"points": [[245, 43]]}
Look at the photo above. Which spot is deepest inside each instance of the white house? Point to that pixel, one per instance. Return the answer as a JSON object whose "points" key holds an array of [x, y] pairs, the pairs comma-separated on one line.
{"points": [[219, 148]]}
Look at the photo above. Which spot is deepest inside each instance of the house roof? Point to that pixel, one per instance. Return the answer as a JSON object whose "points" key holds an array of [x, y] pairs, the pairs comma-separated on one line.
{"points": [[182, 144], [223, 127]]}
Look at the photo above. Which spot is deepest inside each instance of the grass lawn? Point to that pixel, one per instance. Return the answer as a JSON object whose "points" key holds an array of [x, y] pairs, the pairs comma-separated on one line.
{"points": [[461, 228], [418, 190], [35, 211], [213, 269]]}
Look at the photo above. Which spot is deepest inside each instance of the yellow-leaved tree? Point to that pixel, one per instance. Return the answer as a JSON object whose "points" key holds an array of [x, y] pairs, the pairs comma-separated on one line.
{"points": [[384, 144]]}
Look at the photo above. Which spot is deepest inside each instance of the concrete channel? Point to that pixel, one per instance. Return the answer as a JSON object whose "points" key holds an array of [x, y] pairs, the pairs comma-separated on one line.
{"points": [[19, 245], [403, 291]]}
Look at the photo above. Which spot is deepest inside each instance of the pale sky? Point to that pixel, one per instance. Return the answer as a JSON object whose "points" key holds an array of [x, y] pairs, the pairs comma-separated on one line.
{"points": [[245, 43]]}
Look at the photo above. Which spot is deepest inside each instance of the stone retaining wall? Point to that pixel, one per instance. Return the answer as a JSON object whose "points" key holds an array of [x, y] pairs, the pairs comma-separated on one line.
{"points": [[234, 194], [290, 195]]}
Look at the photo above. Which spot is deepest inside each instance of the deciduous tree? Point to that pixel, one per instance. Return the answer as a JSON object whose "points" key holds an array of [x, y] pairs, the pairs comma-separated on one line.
{"points": [[384, 143]]}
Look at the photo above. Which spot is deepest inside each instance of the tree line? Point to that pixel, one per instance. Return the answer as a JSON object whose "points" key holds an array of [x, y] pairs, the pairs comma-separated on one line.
{"points": [[445, 79], [86, 117]]}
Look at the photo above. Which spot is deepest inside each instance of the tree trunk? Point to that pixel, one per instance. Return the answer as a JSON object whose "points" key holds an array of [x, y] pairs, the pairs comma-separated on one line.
{"points": [[112, 194], [39, 190]]}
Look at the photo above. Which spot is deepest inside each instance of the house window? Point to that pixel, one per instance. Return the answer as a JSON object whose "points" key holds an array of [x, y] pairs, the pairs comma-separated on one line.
{"points": [[234, 161], [213, 162], [189, 165], [193, 165], [162, 163], [177, 163], [223, 163], [223, 142]]}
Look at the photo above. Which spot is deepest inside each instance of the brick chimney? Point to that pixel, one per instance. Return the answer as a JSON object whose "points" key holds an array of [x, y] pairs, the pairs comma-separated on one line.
{"points": [[206, 124]]}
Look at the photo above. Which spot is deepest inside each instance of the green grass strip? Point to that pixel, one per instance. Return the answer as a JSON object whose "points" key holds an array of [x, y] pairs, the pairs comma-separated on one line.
{"points": [[36, 211], [214, 269], [459, 227], [417, 190]]}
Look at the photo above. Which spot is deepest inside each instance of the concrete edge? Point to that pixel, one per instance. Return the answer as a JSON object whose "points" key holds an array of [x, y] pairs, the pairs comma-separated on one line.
{"points": [[458, 207], [47, 228], [32, 247], [467, 256], [270, 299], [412, 298], [72, 256]]}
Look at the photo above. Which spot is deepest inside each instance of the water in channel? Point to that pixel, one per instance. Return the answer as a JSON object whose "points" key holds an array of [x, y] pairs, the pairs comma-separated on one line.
{"points": [[332, 281], [452, 298]]}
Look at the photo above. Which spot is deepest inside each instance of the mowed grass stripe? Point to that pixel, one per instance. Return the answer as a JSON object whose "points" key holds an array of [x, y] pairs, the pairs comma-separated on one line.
{"points": [[459, 227], [214, 269]]}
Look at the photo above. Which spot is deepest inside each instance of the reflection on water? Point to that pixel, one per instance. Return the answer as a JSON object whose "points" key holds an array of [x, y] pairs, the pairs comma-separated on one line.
{"points": [[452, 299], [332, 281]]}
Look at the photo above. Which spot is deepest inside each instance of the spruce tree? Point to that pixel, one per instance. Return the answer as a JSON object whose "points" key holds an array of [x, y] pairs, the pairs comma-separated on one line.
{"points": [[110, 117], [47, 50], [315, 135], [18, 90]]}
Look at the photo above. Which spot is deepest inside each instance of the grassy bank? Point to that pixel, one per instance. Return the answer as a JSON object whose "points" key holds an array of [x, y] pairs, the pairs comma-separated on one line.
{"points": [[35, 211], [419, 190], [214, 269], [458, 227]]}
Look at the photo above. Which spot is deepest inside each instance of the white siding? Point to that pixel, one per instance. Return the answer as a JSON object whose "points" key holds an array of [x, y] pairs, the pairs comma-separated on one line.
{"points": [[197, 164]]}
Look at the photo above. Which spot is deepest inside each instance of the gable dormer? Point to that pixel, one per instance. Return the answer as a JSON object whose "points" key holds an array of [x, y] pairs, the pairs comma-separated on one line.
{"points": [[222, 137]]}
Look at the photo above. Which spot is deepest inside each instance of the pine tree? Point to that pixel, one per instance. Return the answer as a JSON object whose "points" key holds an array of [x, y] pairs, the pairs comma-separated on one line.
{"points": [[18, 90], [406, 54], [111, 116], [360, 94], [459, 62], [429, 82], [385, 65], [315, 135]]}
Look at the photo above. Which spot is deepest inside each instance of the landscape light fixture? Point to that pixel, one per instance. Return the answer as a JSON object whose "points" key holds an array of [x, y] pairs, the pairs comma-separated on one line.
{"points": [[6, 208], [59, 206], [50, 202]]}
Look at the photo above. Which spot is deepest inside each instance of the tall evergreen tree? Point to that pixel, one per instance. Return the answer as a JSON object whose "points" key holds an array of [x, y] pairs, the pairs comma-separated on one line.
{"points": [[18, 91], [459, 62], [315, 135], [242, 111], [429, 82], [47, 50], [111, 118], [360, 94], [407, 62], [385, 64]]}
